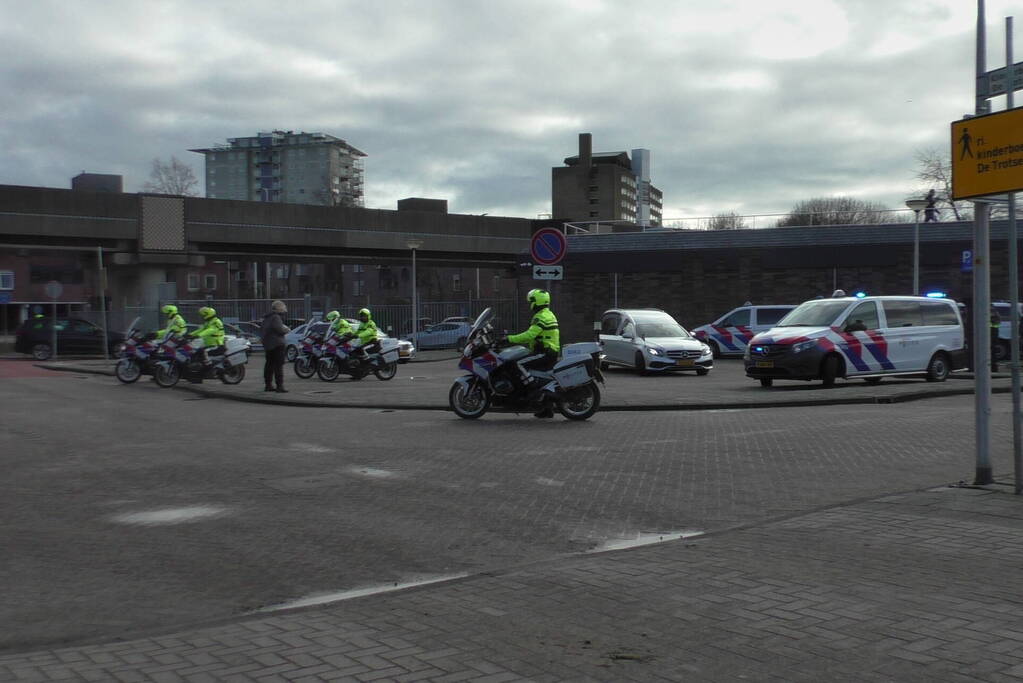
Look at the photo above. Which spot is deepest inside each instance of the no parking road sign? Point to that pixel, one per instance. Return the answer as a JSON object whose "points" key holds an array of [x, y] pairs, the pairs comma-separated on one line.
{"points": [[548, 246]]}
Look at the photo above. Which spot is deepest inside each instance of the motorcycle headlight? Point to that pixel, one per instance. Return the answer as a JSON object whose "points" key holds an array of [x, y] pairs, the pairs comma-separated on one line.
{"points": [[803, 346]]}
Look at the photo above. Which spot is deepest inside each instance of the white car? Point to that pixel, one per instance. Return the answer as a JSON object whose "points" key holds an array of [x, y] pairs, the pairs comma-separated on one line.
{"points": [[451, 335], [650, 340]]}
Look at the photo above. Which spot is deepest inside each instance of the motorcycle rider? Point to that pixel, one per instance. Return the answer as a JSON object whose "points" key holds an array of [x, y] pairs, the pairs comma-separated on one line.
{"points": [[367, 332], [542, 337], [175, 323], [339, 326], [211, 333]]}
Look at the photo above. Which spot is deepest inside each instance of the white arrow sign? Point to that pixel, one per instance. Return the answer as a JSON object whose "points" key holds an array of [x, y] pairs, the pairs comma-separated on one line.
{"points": [[548, 272]]}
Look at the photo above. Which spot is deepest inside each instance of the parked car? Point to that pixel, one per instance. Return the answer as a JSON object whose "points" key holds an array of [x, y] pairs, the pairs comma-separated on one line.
{"points": [[650, 340], [245, 331], [441, 336], [729, 334], [74, 336], [868, 337], [1003, 349], [459, 319]]}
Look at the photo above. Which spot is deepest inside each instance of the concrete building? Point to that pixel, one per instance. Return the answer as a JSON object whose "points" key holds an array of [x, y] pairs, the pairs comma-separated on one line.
{"points": [[605, 186], [97, 182], [287, 167]]}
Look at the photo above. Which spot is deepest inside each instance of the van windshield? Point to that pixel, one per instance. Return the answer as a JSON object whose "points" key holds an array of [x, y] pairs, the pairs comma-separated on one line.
{"points": [[819, 313]]}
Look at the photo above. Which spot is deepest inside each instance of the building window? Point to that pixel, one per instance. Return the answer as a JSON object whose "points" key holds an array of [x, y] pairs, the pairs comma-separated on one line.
{"points": [[456, 282], [6, 279], [209, 281], [496, 284], [357, 268], [358, 287], [193, 282]]}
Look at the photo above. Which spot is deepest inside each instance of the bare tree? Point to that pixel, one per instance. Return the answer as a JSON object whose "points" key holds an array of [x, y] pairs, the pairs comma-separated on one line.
{"points": [[836, 211], [174, 177], [728, 220], [935, 172]]}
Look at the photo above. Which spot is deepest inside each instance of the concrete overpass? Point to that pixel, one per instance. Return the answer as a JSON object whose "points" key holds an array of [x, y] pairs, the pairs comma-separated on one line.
{"points": [[141, 235], [160, 229]]}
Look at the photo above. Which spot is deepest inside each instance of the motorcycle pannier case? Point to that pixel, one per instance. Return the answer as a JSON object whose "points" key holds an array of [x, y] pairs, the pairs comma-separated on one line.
{"points": [[235, 353], [389, 350], [573, 375]]}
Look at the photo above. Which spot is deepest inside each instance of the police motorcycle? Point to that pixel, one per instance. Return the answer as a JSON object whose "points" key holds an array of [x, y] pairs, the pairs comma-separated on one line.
{"points": [[497, 381], [347, 356], [139, 354], [308, 358], [184, 359]]}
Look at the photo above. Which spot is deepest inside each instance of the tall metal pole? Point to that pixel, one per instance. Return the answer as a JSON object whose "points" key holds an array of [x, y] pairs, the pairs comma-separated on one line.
{"points": [[916, 252], [415, 300], [981, 292], [103, 302], [1017, 428]]}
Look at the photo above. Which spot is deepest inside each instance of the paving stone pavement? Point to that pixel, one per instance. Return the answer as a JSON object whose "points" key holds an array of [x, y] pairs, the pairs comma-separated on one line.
{"points": [[920, 586], [424, 384]]}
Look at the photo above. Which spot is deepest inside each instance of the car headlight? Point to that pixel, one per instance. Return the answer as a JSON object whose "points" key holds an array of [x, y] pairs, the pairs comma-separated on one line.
{"points": [[704, 350], [803, 346], [654, 351]]}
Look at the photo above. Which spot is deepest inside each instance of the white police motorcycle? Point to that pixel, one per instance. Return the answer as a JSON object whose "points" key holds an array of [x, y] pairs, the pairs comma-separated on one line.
{"points": [[496, 379]]}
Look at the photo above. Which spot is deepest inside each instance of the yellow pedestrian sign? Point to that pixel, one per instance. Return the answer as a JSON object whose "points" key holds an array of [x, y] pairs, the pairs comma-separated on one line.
{"points": [[987, 155]]}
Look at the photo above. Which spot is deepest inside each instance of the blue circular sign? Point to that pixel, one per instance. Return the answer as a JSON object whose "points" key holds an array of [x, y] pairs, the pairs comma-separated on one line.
{"points": [[548, 246]]}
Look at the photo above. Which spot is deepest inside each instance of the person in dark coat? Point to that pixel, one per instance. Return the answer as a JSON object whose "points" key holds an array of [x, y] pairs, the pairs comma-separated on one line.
{"points": [[272, 332], [931, 212]]}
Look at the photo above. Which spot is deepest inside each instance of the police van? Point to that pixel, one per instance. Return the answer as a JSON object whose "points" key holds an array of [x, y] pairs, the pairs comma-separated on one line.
{"points": [[865, 337], [729, 334]]}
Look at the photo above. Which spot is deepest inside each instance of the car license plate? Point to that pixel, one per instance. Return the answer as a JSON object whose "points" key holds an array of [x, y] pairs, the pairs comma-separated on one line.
{"points": [[765, 363], [685, 363]]}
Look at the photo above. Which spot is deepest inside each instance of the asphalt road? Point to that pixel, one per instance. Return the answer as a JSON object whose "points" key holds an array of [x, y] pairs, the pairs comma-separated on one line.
{"points": [[129, 509]]}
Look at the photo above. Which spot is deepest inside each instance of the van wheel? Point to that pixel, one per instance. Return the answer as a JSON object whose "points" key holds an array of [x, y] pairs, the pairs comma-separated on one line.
{"points": [[715, 350], [872, 380], [937, 369], [766, 382], [42, 351], [829, 371]]}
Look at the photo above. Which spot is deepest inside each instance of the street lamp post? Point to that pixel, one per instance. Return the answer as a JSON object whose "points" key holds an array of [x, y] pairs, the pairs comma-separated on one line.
{"points": [[413, 245], [917, 205]]}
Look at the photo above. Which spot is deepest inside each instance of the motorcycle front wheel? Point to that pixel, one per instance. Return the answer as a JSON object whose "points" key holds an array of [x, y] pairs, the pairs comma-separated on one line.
{"points": [[468, 402], [233, 374], [580, 403], [167, 376], [127, 370], [304, 368], [327, 370], [387, 372]]}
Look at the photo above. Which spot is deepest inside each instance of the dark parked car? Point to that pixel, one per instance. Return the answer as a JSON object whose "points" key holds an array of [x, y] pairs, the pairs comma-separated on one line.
{"points": [[74, 337]]}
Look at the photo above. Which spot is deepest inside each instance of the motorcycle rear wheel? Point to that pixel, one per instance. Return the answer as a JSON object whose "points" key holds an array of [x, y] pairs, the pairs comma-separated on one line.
{"points": [[166, 376], [127, 370], [387, 372], [468, 403], [233, 374], [304, 368], [580, 403], [327, 370]]}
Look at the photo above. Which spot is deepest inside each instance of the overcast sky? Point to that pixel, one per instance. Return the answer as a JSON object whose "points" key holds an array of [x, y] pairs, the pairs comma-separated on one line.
{"points": [[746, 105]]}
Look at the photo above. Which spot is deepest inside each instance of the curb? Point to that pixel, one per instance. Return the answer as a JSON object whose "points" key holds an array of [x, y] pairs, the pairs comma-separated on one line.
{"points": [[273, 400]]}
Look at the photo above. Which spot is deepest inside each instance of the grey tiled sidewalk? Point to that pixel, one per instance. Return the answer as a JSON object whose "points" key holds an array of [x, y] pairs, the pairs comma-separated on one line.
{"points": [[424, 384], [923, 586]]}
